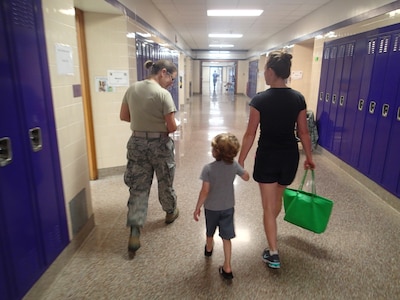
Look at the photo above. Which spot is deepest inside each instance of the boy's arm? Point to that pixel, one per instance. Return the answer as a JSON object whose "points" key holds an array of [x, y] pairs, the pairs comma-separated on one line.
{"points": [[245, 176], [205, 188]]}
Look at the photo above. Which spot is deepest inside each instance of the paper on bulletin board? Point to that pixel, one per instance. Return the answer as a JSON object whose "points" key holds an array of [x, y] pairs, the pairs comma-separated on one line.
{"points": [[64, 59], [101, 84], [296, 75], [118, 78]]}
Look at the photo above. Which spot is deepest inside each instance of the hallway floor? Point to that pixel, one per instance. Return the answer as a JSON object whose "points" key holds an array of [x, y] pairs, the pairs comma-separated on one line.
{"points": [[357, 257]]}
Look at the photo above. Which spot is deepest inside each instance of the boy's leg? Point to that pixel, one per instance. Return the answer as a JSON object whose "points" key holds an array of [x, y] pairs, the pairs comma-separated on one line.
{"points": [[228, 254]]}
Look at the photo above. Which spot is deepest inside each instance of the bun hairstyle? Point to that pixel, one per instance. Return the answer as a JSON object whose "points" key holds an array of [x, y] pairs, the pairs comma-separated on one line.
{"points": [[225, 147], [280, 62], [157, 66]]}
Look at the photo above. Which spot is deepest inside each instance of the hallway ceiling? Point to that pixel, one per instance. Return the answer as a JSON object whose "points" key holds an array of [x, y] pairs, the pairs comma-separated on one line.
{"points": [[189, 18]]}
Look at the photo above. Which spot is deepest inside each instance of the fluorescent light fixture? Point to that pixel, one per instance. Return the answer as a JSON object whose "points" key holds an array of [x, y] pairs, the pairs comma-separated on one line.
{"points": [[219, 52], [221, 45], [131, 35], [234, 12], [145, 35], [225, 35]]}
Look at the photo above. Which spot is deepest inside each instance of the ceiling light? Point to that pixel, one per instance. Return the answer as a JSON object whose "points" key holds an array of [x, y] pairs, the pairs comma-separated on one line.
{"points": [[145, 35], [234, 12], [225, 35], [221, 45]]}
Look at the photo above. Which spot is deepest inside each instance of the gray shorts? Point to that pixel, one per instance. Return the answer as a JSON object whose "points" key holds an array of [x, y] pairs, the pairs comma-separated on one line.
{"points": [[222, 219]]}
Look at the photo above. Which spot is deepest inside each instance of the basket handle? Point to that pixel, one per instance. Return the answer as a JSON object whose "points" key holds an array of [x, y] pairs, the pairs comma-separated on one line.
{"points": [[313, 189]]}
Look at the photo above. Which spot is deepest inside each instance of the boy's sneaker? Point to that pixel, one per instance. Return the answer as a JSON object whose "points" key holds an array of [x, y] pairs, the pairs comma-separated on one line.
{"points": [[272, 261]]}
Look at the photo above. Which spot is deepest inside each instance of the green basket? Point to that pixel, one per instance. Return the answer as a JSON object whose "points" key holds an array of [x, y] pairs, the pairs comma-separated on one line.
{"points": [[307, 210]]}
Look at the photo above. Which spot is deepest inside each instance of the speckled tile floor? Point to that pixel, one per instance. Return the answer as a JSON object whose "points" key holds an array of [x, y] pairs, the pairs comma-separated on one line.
{"points": [[357, 257]]}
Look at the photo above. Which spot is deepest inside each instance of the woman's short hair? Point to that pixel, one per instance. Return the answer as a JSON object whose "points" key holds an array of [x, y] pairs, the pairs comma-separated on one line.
{"points": [[225, 147], [280, 62], [157, 66]]}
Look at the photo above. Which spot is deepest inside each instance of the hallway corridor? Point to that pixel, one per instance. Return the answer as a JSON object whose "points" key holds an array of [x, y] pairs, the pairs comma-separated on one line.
{"points": [[358, 257]]}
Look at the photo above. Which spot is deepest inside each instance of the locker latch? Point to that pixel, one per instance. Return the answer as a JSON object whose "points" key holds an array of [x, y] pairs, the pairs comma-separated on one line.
{"points": [[360, 104], [35, 134], [5, 151], [385, 110], [327, 96], [398, 114], [334, 99], [341, 101], [372, 106]]}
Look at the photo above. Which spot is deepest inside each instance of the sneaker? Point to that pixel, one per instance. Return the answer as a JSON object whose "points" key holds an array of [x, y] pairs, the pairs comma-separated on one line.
{"points": [[171, 217], [272, 261]]}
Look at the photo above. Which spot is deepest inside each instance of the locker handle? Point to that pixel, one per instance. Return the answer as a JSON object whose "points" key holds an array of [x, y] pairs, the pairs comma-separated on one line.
{"points": [[360, 104], [321, 96], [35, 135], [398, 114], [327, 96], [341, 101], [334, 99], [372, 106], [385, 110], [5, 151]]}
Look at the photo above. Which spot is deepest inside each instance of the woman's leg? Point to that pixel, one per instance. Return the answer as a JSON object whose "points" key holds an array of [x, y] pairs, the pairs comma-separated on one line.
{"points": [[271, 207]]}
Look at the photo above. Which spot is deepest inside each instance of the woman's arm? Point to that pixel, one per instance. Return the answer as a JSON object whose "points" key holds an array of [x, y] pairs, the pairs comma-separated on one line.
{"points": [[250, 135], [124, 113], [304, 136], [170, 122]]}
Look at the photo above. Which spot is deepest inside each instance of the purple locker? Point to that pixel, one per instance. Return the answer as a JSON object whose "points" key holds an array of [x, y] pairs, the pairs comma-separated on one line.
{"points": [[22, 256], [342, 101], [352, 101], [387, 110], [374, 103], [325, 128], [362, 102], [321, 115], [333, 128], [34, 226]]}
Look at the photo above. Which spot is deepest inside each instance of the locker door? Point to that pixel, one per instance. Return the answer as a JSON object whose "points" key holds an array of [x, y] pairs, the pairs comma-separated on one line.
{"points": [[387, 109], [362, 102], [321, 115], [334, 128], [342, 100], [326, 128], [391, 166], [23, 262], [351, 103], [374, 103], [31, 196]]}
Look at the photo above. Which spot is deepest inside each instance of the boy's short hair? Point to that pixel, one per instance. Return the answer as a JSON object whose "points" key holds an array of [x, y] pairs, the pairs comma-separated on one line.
{"points": [[225, 147]]}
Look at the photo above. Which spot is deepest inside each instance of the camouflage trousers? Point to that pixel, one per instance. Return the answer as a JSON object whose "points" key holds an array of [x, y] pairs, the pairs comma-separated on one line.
{"points": [[146, 156]]}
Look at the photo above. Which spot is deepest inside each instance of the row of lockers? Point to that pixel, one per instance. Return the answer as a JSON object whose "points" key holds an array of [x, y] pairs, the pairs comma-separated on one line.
{"points": [[358, 112]]}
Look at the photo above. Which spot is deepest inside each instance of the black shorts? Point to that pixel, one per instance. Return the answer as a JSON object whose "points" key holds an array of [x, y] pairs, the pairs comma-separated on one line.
{"points": [[222, 219], [276, 166]]}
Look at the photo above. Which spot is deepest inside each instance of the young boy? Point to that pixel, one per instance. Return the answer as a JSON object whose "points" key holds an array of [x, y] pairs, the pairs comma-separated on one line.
{"points": [[217, 195]]}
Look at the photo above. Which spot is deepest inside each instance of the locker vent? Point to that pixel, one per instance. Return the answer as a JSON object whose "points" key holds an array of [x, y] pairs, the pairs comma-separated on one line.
{"points": [[333, 52], [350, 49], [342, 50], [396, 43], [371, 46], [326, 53], [22, 13], [384, 44]]}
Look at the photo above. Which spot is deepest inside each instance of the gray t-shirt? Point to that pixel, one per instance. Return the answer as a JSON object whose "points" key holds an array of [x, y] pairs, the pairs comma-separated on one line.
{"points": [[220, 175], [148, 104]]}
